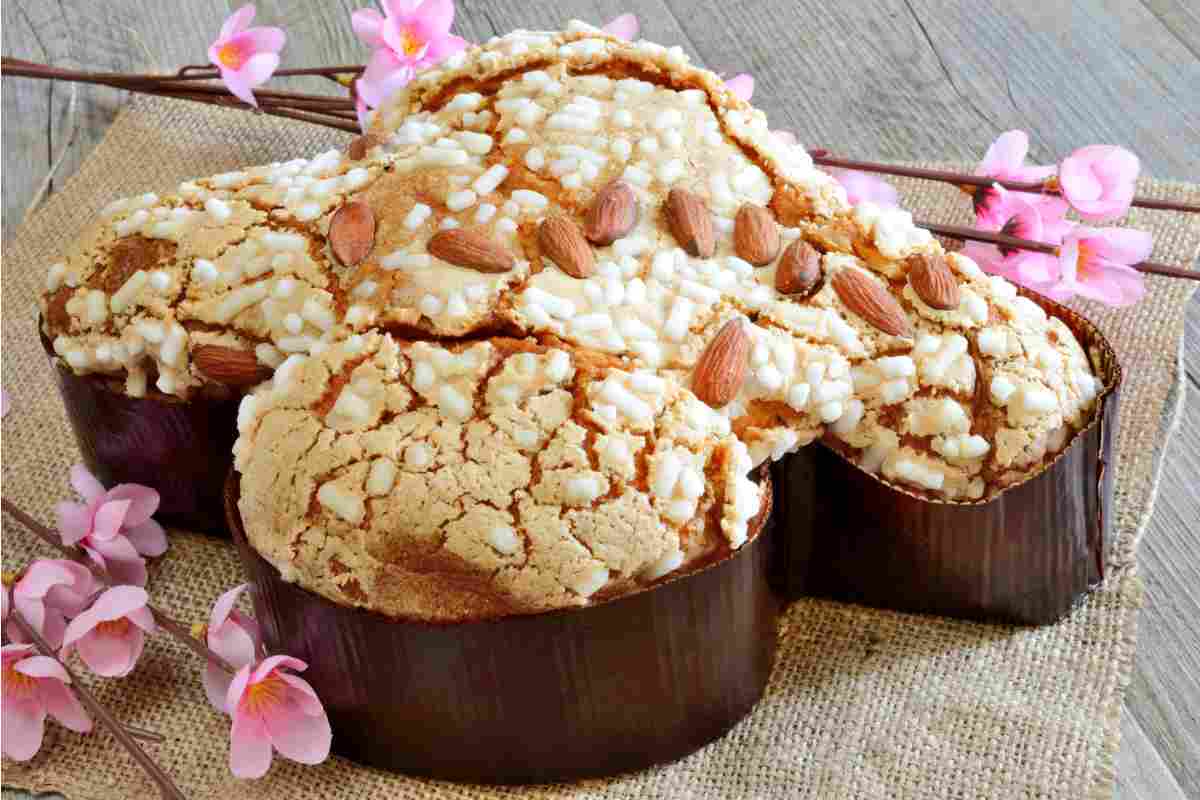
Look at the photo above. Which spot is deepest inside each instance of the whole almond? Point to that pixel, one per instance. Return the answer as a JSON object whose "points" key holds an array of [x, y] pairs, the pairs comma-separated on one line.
{"points": [[871, 301], [562, 242], [722, 367], [613, 214], [691, 223], [933, 281], [352, 233], [799, 269], [472, 249], [229, 365], [755, 235], [361, 145]]}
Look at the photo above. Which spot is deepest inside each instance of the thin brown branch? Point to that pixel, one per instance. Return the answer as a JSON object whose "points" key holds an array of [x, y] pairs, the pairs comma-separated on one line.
{"points": [[166, 786], [1013, 242], [164, 620], [194, 72], [1049, 186]]}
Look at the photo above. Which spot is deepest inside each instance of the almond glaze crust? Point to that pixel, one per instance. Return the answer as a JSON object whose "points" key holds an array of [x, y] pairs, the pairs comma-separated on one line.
{"points": [[481, 479], [607, 200]]}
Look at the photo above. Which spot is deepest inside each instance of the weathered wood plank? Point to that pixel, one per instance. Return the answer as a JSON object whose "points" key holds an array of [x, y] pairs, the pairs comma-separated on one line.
{"points": [[1141, 771]]}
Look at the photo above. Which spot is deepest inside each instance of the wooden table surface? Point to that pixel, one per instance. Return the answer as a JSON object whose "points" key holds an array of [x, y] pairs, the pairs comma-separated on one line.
{"points": [[894, 79]]}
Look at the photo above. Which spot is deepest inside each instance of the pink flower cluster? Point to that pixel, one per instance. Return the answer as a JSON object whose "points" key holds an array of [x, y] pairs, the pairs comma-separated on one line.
{"points": [[107, 631], [113, 527], [272, 709], [1098, 183]]}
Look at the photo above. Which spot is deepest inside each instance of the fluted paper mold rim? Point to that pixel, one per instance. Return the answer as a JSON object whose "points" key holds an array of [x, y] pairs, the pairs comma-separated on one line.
{"points": [[181, 448], [908, 562], [633, 681]]}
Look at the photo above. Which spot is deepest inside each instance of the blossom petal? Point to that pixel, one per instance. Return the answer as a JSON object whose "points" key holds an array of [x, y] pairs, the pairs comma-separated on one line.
{"points": [[368, 27], [742, 86], [1099, 181], [109, 519], [119, 601], [237, 687], [270, 663], [236, 22], [1005, 154], [119, 558], [249, 747], [143, 501], [148, 538], [263, 40], [239, 86], [432, 19], [234, 643], [64, 706], [42, 667], [21, 729], [623, 27], [224, 605], [296, 734], [259, 68], [401, 9], [113, 656], [862, 187], [216, 685], [443, 47], [1123, 245], [74, 521], [304, 693], [86, 484]]}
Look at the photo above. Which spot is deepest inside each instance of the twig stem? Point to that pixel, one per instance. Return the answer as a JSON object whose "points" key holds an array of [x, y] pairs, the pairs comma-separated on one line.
{"points": [[1003, 240], [1049, 186]]}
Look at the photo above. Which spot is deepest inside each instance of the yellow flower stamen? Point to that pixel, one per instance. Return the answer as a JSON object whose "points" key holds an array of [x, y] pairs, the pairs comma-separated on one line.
{"points": [[18, 683], [410, 44], [113, 627], [267, 693], [230, 56]]}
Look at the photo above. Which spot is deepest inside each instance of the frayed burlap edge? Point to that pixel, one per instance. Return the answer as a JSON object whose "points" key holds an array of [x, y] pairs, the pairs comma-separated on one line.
{"points": [[850, 711]]}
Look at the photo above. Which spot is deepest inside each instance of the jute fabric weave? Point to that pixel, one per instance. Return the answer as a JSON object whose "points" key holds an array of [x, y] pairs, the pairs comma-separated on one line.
{"points": [[862, 703]]}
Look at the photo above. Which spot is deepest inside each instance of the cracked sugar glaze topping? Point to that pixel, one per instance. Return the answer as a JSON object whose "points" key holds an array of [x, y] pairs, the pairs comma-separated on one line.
{"points": [[478, 479], [603, 199]]}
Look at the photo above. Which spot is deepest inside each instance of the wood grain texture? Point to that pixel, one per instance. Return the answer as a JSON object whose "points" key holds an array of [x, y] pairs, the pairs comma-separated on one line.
{"points": [[900, 79]]}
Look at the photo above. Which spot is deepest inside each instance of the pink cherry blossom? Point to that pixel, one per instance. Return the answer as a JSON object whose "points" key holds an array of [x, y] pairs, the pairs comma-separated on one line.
{"points": [[1095, 263], [1098, 181], [110, 635], [33, 687], [1037, 271], [49, 593], [1013, 214], [623, 27], [862, 187], [246, 57], [114, 527], [273, 709], [408, 36], [742, 86], [1005, 161], [233, 636]]}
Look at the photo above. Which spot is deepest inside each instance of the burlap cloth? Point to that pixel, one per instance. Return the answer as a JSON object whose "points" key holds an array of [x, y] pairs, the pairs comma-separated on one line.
{"points": [[862, 703]]}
